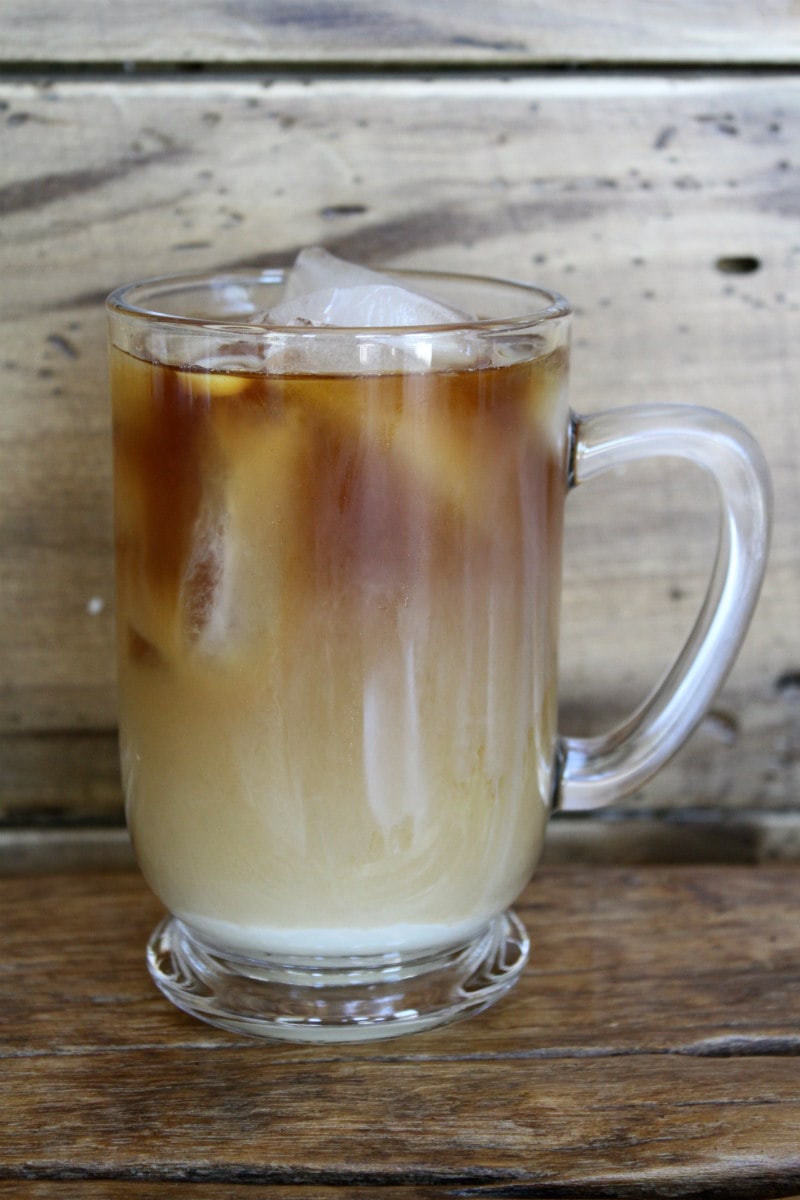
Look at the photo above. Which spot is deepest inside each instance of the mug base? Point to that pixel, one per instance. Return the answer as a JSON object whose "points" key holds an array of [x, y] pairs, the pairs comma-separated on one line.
{"points": [[353, 999]]}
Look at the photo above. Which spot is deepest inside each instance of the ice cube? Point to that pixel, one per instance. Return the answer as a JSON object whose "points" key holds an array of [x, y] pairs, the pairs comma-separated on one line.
{"points": [[217, 377], [245, 537], [451, 458], [325, 290]]}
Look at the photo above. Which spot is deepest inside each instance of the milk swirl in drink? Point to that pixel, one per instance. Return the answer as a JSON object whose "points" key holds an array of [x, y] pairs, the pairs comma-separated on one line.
{"points": [[337, 619]]}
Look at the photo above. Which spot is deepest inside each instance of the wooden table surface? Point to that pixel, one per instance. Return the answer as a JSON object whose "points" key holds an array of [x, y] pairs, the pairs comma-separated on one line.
{"points": [[651, 1049]]}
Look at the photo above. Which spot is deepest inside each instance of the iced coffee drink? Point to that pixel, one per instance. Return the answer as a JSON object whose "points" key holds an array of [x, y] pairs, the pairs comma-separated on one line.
{"points": [[339, 500]]}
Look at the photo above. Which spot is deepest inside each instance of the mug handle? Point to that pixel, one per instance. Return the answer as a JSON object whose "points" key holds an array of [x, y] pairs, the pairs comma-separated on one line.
{"points": [[597, 770]]}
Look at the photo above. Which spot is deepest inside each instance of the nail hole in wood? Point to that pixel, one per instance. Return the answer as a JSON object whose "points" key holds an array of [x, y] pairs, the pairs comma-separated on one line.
{"points": [[738, 264]]}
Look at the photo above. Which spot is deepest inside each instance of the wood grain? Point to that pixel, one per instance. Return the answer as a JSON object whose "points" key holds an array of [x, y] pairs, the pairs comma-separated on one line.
{"points": [[650, 1049], [644, 198], [518, 32]]}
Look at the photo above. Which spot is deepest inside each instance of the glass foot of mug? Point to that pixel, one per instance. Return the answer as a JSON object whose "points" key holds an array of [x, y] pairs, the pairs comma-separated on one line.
{"points": [[336, 1000]]}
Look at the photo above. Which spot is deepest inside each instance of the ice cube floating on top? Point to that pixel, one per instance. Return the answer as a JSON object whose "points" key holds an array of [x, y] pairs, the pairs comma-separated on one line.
{"points": [[325, 290]]}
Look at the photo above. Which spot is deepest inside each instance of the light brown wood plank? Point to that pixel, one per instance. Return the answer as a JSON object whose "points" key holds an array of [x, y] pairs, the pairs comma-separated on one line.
{"points": [[650, 1049], [688, 960], [402, 31], [626, 193]]}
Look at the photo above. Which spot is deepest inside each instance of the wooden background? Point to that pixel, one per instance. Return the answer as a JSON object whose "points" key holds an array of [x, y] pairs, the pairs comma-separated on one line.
{"points": [[643, 158]]}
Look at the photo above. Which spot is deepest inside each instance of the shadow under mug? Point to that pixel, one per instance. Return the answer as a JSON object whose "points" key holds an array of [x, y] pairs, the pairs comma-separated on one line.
{"points": [[338, 563]]}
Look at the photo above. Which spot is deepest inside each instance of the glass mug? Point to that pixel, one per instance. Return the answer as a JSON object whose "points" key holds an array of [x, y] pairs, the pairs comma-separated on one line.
{"points": [[338, 574]]}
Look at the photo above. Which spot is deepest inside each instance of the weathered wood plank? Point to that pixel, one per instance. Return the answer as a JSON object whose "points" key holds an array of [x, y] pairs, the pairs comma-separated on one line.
{"points": [[615, 970], [75, 777], [650, 1126], [649, 1049], [609, 838], [152, 1189], [644, 217], [514, 32], [45, 776], [126, 1189]]}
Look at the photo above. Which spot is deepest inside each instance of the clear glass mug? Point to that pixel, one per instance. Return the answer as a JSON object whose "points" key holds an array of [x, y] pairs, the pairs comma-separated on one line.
{"points": [[338, 572]]}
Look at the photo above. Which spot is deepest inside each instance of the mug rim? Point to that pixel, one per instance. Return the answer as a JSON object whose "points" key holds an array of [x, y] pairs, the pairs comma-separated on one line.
{"points": [[122, 302]]}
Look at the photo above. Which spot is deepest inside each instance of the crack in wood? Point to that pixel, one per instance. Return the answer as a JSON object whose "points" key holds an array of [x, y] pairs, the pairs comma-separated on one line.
{"points": [[734, 1047]]}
